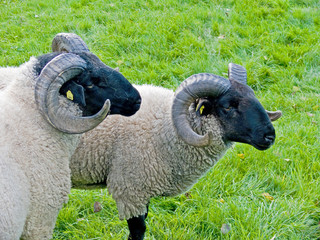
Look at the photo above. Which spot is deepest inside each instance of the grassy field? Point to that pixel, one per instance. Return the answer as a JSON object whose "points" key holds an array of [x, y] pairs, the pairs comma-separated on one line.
{"points": [[273, 194]]}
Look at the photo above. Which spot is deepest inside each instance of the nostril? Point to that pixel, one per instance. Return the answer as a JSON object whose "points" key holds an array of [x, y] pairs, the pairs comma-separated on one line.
{"points": [[269, 138], [137, 104], [138, 101]]}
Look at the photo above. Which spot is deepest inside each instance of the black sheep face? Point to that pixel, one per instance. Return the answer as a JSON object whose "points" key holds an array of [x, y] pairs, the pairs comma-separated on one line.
{"points": [[241, 115], [101, 82], [91, 88]]}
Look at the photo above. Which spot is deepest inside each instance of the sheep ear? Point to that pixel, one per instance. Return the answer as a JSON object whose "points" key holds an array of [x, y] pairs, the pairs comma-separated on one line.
{"points": [[274, 115], [74, 92], [203, 107], [117, 69]]}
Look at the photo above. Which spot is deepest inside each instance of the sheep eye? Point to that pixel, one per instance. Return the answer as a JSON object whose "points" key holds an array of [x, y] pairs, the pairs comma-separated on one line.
{"points": [[95, 80], [230, 106], [90, 86]]}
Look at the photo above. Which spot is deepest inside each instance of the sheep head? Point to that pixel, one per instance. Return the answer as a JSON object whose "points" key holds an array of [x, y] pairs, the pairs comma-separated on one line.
{"points": [[242, 117], [84, 79], [99, 81], [58, 71]]}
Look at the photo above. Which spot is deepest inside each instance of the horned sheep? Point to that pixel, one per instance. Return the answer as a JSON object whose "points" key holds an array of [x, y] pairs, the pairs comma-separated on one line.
{"points": [[40, 128], [173, 140]]}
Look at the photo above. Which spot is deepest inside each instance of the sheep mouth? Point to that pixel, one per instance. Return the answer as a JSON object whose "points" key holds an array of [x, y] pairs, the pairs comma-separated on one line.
{"points": [[264, 141], [125, 110], [262, 146]]}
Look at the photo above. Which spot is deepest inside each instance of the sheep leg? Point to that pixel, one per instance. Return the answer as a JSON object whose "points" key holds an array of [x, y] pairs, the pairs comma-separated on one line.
{"points": [[137, 227]]}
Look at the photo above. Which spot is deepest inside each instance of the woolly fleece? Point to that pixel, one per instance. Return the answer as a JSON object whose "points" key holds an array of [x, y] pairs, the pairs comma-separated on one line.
{"points": [[34, 160], [140, 157]]}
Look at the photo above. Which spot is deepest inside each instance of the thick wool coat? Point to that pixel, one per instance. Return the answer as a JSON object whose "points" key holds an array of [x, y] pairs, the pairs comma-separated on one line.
{"points": [[141, 156], [34, 159]]}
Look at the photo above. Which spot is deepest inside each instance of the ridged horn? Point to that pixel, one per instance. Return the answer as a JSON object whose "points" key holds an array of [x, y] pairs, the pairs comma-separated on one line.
{"points": [[237, 72], [194, 87], [58, 71], [68, 42]]}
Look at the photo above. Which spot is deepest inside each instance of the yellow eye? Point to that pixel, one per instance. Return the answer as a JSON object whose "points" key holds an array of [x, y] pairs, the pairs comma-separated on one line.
{"points": [[90, 86]]}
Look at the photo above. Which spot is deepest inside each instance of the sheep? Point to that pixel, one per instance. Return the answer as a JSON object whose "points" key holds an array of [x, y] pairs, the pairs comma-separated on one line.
{"points": [[45, 106], [173, 140]]}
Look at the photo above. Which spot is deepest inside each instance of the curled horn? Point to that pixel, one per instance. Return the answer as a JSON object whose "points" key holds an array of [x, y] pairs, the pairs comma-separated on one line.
{"points": [[194, 87], [68, 42], [58, 71], [237, 73]]}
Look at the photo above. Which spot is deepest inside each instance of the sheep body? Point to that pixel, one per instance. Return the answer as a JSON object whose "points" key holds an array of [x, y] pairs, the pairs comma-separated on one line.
{"points": [[34, 184], [171, 142], [141, 157], [40, 127]]}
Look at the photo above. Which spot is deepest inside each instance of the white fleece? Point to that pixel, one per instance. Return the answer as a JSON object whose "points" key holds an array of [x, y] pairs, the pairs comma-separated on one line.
{"points": [[34, 160], [140, 157]]}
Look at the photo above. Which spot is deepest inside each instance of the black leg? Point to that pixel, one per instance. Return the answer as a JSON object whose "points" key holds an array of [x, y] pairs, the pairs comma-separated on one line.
{"points": [[146, 215], [137, 227]]}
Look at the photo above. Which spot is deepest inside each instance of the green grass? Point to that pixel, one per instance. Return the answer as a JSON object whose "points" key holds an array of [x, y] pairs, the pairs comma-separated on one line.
{"points": [[162, 43]]}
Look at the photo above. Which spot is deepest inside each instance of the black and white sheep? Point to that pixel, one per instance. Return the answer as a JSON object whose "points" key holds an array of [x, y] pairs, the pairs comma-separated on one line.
{"points": [[40, 129], [173, 140]]}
